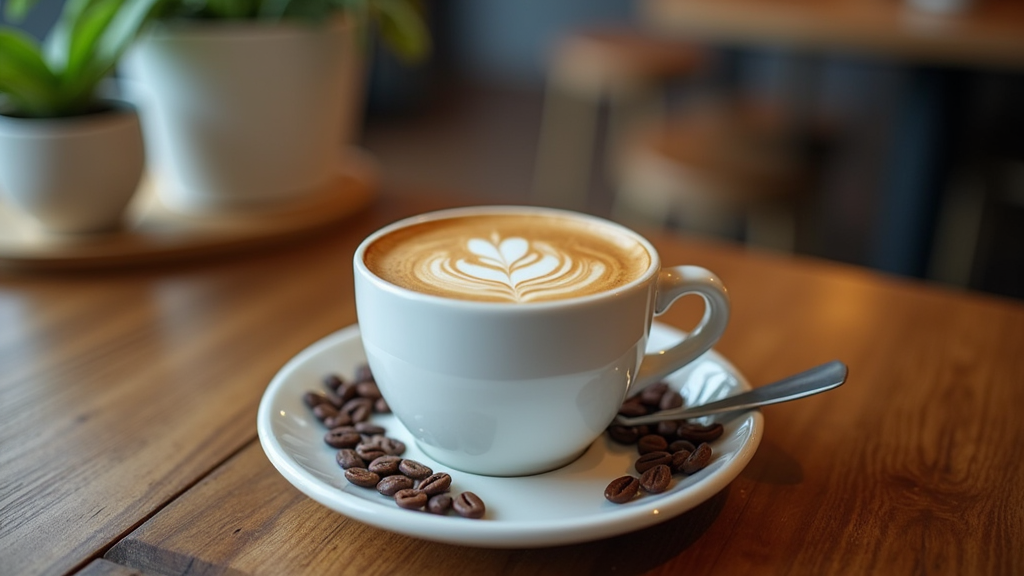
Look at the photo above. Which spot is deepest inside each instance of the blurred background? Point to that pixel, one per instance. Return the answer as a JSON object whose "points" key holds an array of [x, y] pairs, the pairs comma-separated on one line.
{"points": [[906, 160]]}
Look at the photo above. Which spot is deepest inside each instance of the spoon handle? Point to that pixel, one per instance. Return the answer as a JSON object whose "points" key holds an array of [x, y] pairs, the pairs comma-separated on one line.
{"points": [[818, 379]]}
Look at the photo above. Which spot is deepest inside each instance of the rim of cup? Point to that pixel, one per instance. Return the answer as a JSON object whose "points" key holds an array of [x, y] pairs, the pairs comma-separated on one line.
{"points": [[636, 283]]}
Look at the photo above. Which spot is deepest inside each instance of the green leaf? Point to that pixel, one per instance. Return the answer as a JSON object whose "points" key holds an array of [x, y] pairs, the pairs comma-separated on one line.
{"points": [[87, 34], [272, 10], [126, 26], [102, 32], [402, 29], [230, 9], [88, 21], [25, 78], [16, 10], [57, 46]]}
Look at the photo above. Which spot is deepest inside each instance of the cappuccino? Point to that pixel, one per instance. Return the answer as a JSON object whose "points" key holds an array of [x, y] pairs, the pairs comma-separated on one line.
{"points": [[509, 257]]}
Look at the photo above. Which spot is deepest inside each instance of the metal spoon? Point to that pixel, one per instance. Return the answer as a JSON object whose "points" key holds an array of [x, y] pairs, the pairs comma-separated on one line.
{"points": [[818, 379]]}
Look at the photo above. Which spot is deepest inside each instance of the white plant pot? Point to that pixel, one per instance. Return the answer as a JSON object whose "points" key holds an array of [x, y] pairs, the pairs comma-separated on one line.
{"points": [[245, 115], [75, 174]]}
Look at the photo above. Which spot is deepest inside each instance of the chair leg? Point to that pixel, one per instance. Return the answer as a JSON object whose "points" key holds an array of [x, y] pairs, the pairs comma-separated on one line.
{"points": [[958, 230], [628, 112], [650, 194]]}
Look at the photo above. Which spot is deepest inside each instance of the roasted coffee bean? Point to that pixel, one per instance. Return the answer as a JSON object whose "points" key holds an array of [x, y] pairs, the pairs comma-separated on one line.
{"points": [[632, 408], [651, 395], [347, 458], [313, 399], [439, 503], [385, 465], [650, 460], [410, 499], [368, 389], [679, 459], [656, 480], [334, 399], [333, 381], [324, 411], [670, 400], [700, 458], [622, 490], [337, 420], [680, 445], [362, 477], [359, 409], [469, 505], [363, 373], [389, 485], [342, 438], [370, 428], [380, 406], [436, 483], [651, 443], [393, 446], [623, 434], [346, 392], [414, 469], [369, 453], [697, 433], [387, 445], [667, 429]]}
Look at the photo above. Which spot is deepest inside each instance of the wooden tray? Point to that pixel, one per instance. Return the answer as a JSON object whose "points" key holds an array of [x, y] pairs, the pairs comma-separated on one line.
{"points": [[153, 233]]}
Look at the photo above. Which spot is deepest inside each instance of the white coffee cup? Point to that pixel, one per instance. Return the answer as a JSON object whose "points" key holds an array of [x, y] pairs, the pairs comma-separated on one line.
{"points": [[516, 388]]}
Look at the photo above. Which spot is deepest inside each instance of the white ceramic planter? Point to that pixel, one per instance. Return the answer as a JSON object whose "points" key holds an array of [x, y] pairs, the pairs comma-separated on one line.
{"points": [[72, 175], [245, 115]]}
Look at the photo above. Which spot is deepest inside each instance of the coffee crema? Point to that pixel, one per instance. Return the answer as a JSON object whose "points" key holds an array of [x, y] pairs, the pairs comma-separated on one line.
{"points": [[516, 258]]}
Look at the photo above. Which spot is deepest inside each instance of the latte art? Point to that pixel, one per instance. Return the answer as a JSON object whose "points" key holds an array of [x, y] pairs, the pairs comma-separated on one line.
{"points": [[508, 258], [513, 269]]}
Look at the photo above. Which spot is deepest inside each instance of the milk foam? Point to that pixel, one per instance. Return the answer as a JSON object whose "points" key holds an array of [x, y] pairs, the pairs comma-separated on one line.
{"points": [[508, 258], [513, 269]]}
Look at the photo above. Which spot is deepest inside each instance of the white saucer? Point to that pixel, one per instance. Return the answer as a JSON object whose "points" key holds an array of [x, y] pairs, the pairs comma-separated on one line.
{"points": [[560, 507]]}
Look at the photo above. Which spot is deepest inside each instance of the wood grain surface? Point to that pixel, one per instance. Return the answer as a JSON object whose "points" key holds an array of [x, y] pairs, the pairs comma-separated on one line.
{"points": [[128, 402], [122, 388], [990, 33]]}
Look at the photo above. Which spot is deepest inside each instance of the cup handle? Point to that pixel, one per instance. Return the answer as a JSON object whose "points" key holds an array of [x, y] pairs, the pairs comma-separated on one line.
{"points": [[673, 283]]}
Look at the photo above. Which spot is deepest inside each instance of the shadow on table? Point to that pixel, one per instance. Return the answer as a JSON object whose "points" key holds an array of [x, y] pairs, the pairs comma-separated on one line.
{"points": [[634, 553], [773, 465], [153, 560]]}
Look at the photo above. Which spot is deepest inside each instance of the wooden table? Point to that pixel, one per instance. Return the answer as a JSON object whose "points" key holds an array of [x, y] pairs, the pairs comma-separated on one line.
{"points": [[988, 36], [128, 441], [990, 33]]}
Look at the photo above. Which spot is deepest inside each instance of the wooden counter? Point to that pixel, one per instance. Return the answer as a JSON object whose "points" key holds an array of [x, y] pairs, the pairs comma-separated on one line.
{"points": [[128, 437], [990, 33]]}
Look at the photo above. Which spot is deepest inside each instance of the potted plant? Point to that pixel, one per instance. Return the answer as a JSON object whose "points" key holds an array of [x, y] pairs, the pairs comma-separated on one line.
{"points": [[246, 104], [70, 159]]}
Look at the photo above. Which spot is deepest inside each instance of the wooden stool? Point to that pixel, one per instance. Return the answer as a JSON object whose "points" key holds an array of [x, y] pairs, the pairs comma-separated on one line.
{"points": [[622, 68], [720, 169]]}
